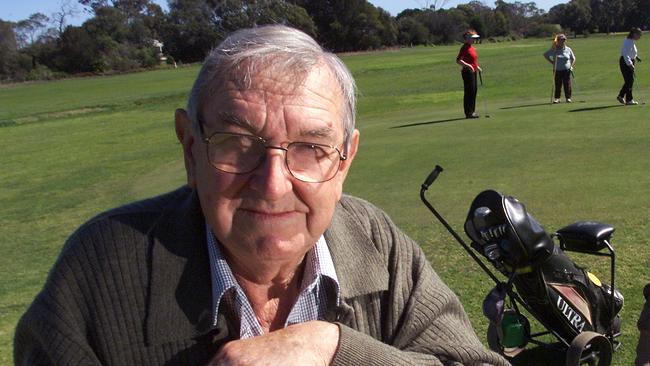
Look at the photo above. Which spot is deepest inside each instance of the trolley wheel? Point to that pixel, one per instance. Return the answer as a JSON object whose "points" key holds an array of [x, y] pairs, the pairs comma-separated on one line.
{"points": [[589, 348], [494, 337], [494, 341]]}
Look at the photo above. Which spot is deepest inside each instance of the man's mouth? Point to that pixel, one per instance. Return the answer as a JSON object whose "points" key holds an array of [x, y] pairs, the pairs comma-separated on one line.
{"points": [[261, 214]]}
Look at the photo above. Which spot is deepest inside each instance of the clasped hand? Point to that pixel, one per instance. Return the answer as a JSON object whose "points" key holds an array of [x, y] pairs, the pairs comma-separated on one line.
{"points": [[309, 343]]}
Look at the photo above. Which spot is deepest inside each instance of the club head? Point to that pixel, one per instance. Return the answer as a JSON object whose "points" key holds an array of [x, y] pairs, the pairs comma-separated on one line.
{"points": [[487, 116]]}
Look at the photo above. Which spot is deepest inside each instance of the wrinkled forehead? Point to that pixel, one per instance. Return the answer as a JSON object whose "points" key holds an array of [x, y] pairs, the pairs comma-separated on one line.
{"points": [[315, 90]]}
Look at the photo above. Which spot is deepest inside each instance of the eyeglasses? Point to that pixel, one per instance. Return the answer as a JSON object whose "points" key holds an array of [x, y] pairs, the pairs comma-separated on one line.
{"points": [[237, 153]]}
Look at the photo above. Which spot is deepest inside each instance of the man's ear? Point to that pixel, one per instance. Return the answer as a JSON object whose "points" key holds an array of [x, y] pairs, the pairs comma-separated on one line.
{"points": [[185, 135], [351, 153]]}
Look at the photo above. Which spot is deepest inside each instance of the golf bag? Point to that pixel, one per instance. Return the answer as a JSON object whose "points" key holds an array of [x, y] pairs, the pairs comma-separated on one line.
{"points": [[574, 306], [569, 299]]}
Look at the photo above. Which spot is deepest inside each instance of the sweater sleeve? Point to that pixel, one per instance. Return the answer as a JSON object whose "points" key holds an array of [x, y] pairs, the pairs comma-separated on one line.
{"points": [[435, 331], [430, 325], [88, 300], [42, 339], [52, 331]]}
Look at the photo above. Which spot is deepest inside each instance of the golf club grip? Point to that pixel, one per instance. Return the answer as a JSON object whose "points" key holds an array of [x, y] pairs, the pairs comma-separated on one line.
{"points": [[432, 176]]}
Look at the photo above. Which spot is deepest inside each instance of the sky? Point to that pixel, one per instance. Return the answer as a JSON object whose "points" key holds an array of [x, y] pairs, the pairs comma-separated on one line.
{"points": [[15, 10]]}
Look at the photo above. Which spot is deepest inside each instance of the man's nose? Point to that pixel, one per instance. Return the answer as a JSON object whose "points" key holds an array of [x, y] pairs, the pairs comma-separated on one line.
{"points": [[272, 178]]}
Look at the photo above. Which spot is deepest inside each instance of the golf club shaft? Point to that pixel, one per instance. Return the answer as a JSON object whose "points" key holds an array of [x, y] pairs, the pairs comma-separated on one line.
{"points": [[485, 109], [553, 83], [635, 87], [432, 177], [574, 82]]}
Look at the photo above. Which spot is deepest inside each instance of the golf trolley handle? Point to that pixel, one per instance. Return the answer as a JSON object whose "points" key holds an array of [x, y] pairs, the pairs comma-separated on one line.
{"points": [[432, 177]]}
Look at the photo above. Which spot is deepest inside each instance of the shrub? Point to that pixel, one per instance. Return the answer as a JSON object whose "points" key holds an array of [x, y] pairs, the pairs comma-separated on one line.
{"points": [[544, 30]]}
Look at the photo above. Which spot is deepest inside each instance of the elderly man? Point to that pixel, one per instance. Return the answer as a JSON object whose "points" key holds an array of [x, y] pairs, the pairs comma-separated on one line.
{"points": [[261, 259]]}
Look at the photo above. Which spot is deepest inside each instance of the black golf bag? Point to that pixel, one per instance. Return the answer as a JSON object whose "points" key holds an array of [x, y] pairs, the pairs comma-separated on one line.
{"points": [[570, 302], [569, 299]]}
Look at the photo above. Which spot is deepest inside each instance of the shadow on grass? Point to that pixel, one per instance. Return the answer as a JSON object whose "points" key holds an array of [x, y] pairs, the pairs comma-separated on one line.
{"points": [[526, 105], [540, 355], [535, 105], [596, 108], [429, 123]]}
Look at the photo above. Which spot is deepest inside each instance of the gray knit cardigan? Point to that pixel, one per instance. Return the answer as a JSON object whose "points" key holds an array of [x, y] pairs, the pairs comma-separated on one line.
{"points": [[132, 287]]}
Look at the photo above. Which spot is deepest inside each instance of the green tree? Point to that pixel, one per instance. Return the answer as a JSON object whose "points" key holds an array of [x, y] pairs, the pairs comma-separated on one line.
{"points": [[521, 16], [446, 26], [123, 34], [8, 50], [477, 24], [411, 32], [557, 14], [480, 17], [605, 14], [60, 17], [130, 8], [577, 16], [643, 7], [193, 27], [29, 30], [190, 30], [237, 14], [77, 52], [31, 33], [109, 23], [348, 25], [501, 25]]}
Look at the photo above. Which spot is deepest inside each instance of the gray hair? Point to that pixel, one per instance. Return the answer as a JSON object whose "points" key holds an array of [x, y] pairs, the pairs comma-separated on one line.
{"points": [[280, 47]]}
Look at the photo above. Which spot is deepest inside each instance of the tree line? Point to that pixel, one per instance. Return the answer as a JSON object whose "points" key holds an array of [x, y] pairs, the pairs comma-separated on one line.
{"points": [[120, 34]]}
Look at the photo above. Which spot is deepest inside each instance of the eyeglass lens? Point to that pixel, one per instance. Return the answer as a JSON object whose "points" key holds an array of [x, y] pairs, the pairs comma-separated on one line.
{"points": [[240, 154]]}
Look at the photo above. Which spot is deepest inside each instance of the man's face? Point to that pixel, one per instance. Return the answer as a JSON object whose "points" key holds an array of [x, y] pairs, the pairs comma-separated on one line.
{"points": [[268, 215]]}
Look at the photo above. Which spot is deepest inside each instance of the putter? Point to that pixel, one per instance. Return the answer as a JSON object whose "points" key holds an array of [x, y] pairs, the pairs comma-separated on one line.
{"points": [[485, 108], [553, 83], [636, 88], [573, 80]]}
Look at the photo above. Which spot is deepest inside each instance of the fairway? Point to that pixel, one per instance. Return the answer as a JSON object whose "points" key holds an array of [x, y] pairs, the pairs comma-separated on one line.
{"points": [[73, 148]]}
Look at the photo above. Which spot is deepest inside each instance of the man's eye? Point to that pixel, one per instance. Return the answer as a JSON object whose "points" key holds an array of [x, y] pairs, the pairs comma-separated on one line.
{"points": [[243, 142], [234, 142], [313, 151]]}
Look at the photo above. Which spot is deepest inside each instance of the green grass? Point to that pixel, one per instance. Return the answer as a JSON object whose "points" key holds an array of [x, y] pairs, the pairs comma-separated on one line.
{"points": [[73, 148]]}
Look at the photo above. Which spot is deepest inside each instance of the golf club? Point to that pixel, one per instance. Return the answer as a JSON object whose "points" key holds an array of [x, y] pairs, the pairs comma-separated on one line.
{"points": [[485, 107], [553, 83], [575, 83], [636, 88]]}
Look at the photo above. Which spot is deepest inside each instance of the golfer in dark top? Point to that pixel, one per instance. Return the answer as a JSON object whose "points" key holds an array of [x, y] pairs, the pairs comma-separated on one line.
{"points": [[468, 59], [627, 63]]}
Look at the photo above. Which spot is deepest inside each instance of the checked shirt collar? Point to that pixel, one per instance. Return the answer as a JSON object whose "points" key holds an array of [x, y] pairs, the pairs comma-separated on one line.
{"points": [[319, 282]]}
